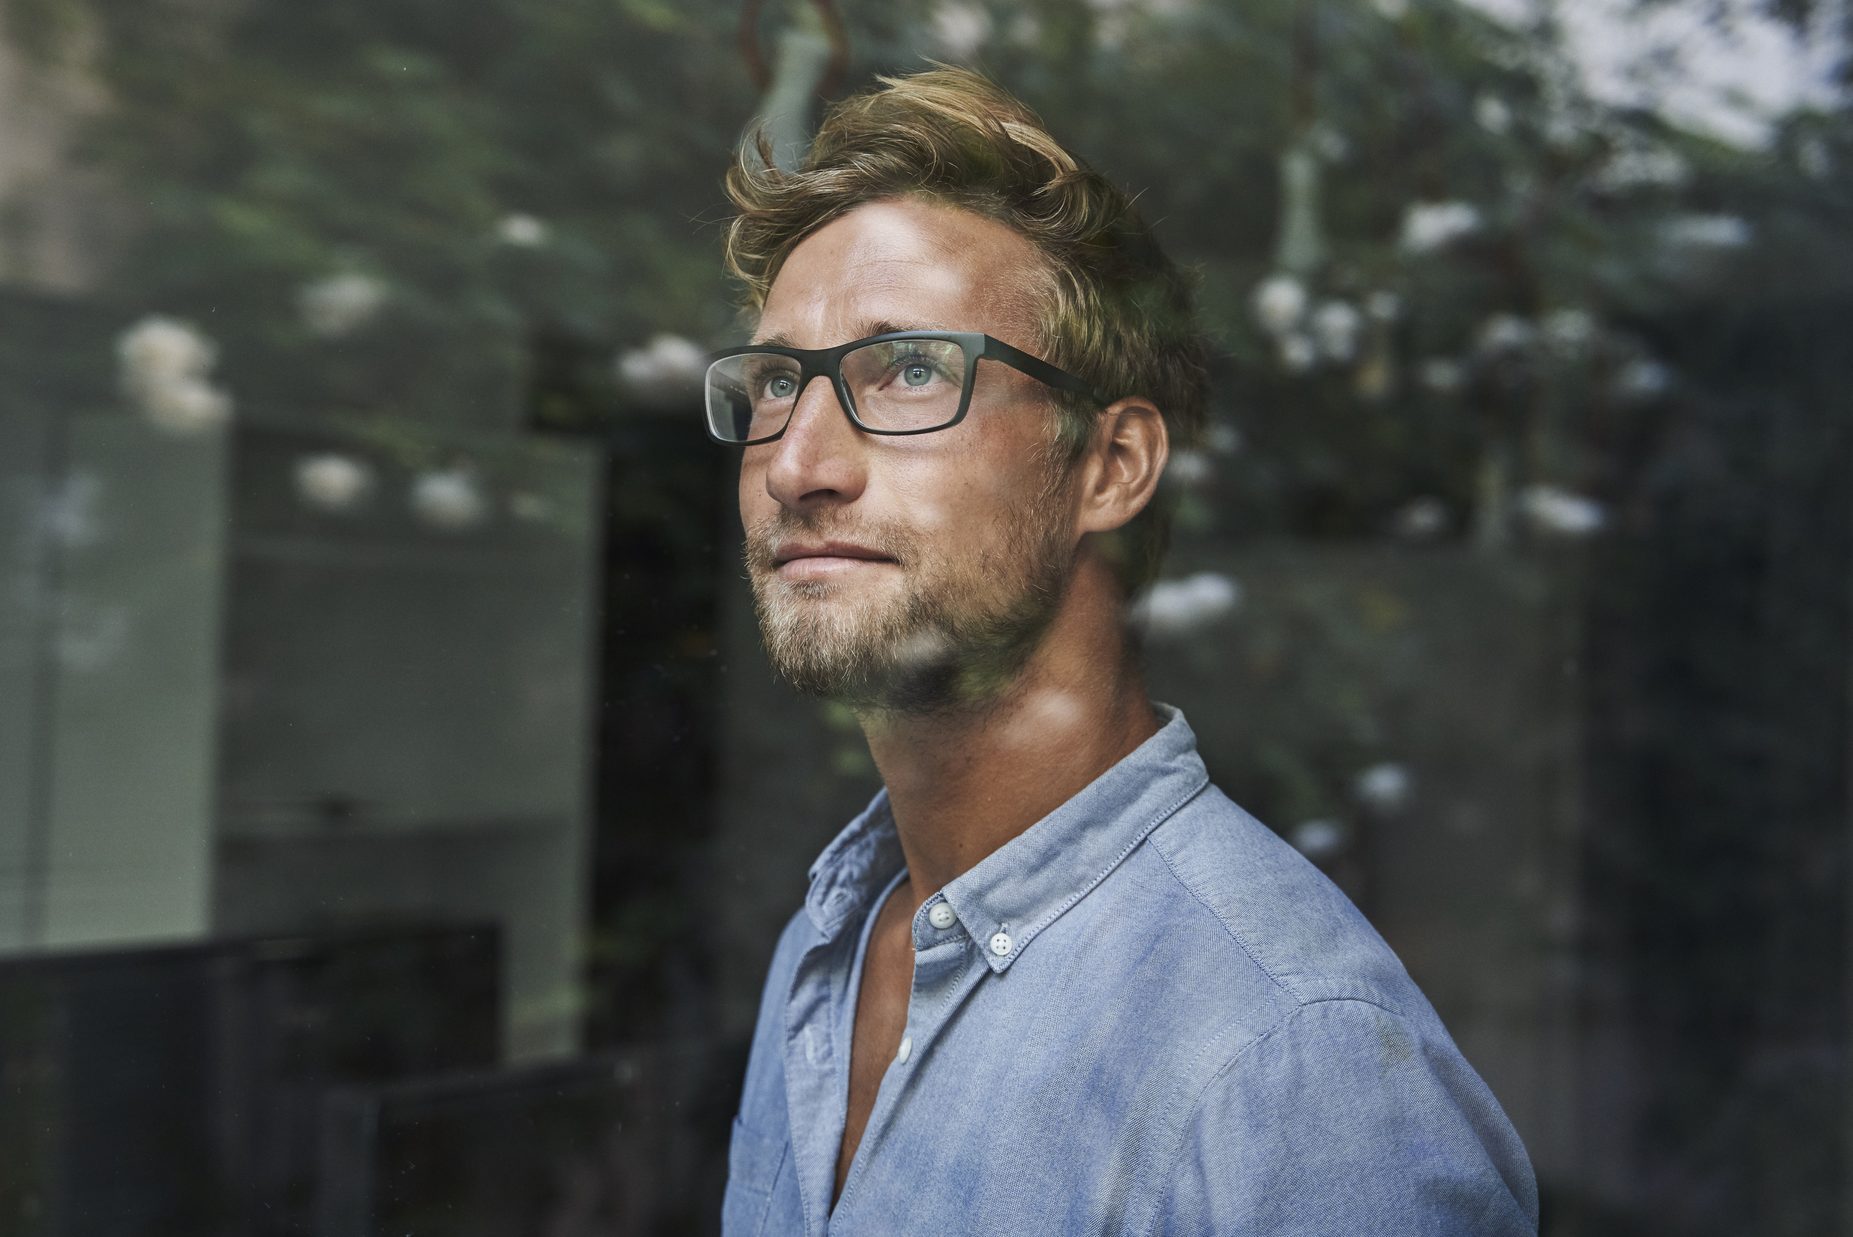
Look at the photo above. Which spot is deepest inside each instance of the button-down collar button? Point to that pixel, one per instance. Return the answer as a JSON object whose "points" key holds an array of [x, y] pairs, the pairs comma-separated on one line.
{"points": [[1000, 944], [941, 916], [906, 1050]]}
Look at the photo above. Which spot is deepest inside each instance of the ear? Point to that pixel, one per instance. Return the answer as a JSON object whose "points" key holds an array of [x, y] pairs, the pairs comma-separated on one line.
{"points": [[1120, 472]]}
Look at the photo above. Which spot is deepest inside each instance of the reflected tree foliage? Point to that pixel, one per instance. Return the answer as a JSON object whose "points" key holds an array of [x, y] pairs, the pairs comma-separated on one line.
{"points": [[1462, 302]]}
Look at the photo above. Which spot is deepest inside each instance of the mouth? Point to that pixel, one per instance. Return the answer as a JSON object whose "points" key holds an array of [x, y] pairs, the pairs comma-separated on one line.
{"points": [[815, 560]]}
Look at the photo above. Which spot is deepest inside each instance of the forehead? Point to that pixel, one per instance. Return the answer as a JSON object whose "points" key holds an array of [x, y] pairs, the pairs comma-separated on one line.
{"points": [[905, 263]]}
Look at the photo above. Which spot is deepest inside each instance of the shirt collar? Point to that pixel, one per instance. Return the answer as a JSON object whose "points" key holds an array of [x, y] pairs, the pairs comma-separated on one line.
{"points": [[1010, 896], [858, 864]]}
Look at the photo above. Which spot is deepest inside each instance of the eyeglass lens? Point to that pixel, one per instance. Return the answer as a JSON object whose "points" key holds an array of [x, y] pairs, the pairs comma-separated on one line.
{"points": [[899, 384]]}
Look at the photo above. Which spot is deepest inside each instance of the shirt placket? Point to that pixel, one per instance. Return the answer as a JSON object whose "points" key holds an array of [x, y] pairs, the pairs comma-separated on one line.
{"points": [[816, 1076], [947, 968]]}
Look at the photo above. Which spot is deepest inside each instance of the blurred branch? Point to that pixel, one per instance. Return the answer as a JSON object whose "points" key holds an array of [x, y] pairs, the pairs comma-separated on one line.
{"points": [[834, 31]]}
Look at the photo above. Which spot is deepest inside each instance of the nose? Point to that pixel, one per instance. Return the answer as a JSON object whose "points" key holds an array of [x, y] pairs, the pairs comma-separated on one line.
{"points": [[821, 460]]}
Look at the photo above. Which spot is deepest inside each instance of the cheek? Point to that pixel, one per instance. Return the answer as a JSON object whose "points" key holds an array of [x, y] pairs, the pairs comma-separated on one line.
{"points": [[947, 498], [755, 503], [962, 502]]}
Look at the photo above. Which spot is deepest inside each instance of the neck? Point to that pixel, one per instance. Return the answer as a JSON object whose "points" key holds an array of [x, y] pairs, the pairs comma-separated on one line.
{"points": [[962, 784]]}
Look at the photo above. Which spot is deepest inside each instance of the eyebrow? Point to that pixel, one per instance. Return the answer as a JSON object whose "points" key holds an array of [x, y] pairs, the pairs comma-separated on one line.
{"points": [[779, 340]]}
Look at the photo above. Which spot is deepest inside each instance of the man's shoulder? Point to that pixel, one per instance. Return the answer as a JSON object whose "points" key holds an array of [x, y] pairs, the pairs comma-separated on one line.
{"points": [[1231, 886], [1347, 1054]]}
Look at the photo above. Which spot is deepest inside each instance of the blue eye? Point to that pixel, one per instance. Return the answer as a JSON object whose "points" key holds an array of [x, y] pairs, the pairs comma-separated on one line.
{"points": [[781, 387], [918, 371]]}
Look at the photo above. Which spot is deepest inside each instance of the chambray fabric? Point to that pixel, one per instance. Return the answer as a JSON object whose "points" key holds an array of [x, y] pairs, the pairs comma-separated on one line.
{"points": [[1191, 1031]]}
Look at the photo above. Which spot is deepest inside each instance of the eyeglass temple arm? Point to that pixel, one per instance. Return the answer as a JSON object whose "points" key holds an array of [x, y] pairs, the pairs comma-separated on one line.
{"points": [[1041, 370]]}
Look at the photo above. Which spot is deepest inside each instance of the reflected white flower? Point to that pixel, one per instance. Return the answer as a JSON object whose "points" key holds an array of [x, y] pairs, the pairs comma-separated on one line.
{"points": [[1491, 113], [664, 370], [1297, 353], [1421, 519], [1053, 712], [961, 29], [1814, 158], [1643, 167], [187, 407], [924, 649], [1176, 608], [1156, 8], [1279, 302], [1520, 183], [1328, 143], [1642, 379], [1562, 130], [1223, 439], [1335, 327], [1111, 24], [1430, 226], [1504, 333], [1189, 469], [163, 365], [521, 231], [1383, 787], [1707, 232], [340, 304], [1441, 375], [69, 514], [1320, 840], [449, 499], [332, 481], [1384, 306], [1391, 10], [160, 350], [1569, 332], [1558, 512]]}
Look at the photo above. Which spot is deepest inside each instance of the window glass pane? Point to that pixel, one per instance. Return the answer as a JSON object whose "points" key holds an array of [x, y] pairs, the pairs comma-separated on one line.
{"points": [[399, 810]]}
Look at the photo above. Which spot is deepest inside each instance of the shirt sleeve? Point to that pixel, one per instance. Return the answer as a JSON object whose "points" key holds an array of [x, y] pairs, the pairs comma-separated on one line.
{"points": [[1345, 1119]]}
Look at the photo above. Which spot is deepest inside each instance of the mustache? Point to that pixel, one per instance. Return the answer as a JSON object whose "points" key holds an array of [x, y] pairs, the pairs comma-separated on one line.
{"points": [[764, 537]]}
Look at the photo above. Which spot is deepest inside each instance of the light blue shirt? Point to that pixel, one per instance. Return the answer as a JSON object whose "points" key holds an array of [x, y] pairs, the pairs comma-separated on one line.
{"points": [[1145, 1014]]}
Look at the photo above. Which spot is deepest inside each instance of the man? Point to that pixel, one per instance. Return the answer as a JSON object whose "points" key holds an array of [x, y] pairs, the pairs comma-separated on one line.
{"points": [[1051, 981]]}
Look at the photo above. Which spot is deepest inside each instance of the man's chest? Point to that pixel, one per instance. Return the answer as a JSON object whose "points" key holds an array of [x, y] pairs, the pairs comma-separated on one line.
{"points": [[880, 1021], [1035, 1131], [1049, 1087]]}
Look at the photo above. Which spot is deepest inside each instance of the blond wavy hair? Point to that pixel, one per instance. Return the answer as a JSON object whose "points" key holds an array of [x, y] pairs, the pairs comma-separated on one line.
{"points": [[1115, 309]]}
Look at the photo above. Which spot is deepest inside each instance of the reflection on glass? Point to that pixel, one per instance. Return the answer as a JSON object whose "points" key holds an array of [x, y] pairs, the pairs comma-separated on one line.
{"points": [[361, 569]]}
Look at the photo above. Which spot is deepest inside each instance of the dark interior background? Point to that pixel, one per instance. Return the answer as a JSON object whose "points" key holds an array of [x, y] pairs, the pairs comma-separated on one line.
{"points": [[396, 812]]}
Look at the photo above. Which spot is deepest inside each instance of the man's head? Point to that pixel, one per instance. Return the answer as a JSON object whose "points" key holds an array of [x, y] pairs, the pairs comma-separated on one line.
{"points": [[939, 202]]}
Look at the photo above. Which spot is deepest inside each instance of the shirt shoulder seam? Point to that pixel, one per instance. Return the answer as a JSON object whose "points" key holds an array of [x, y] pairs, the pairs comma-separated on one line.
{"points": [[1234, 935], [1168, 1183]]}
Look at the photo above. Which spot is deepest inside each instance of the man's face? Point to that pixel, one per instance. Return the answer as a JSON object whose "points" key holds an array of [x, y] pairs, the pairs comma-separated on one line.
{"points": [[907, 573]]}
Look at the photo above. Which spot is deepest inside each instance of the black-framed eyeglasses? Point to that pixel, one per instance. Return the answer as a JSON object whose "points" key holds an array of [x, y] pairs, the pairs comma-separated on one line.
{"points": [[900, 382]]}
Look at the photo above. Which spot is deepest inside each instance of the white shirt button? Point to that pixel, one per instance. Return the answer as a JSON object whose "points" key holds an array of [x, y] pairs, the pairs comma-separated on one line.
{"points": [[1000, 944], [941, 916], [906, 1051]]}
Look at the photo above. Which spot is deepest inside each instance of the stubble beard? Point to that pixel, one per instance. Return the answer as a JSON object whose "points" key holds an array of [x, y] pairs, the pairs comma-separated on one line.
{"points": [[953, 638]]}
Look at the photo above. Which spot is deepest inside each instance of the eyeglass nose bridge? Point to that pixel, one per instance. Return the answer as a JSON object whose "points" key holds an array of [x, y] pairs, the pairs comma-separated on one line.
{"points": [[820, 367]]}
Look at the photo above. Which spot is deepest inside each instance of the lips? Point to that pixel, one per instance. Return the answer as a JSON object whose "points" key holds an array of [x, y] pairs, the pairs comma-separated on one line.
{"points": [[825, 556]]}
